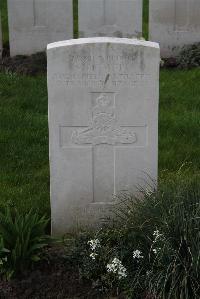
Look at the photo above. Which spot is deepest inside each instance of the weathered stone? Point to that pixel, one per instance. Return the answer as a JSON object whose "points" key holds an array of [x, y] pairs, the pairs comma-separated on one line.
{"points": [[110, 18], [35, 23], [103, 125], [174, 24]]}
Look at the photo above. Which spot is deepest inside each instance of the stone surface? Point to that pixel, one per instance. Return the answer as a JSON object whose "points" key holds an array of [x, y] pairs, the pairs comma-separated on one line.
{"points": [[1, 41], [35, 23], [119, 18], [103, 125], [174, 24]]}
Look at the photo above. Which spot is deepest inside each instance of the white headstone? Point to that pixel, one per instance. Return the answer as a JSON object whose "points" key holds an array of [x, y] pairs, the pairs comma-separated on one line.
{"points": [[174, 24], [1, 41], [103, 125], [35, 23], [119, 18]]}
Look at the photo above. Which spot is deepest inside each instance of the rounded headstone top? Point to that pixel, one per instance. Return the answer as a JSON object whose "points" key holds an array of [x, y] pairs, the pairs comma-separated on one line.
{"points": [[98, 40]]}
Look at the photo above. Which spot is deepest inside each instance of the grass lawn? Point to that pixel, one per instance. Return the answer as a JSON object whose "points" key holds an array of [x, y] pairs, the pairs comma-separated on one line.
{"points": [[24, 170], [4, 21]]}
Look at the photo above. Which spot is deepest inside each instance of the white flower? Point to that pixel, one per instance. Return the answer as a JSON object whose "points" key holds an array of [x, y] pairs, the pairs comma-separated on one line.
{"points": [[148, 273], [162, 62], [156, 250], [94, 244], [149, 192], [137, 254], [157, 235], [93, 255], [116, 267]]}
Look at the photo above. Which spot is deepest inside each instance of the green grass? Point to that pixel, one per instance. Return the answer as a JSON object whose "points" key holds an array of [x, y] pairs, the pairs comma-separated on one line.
{"points": [[145, 19], [179, 120], [75, 14], [4, 20], [24, 170], [24, 161]]}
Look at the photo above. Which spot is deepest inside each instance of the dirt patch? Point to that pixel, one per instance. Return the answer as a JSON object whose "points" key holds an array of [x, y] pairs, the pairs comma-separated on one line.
{"points": [[169, 63], [52, 278], [25, 65]]}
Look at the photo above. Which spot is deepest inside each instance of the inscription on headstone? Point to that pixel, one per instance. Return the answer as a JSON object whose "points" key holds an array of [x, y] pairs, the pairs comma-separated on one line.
{"points": [[103, 106], [174, 24]]}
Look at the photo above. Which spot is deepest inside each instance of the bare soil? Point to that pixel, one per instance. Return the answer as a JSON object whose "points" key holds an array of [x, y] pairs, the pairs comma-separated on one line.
{"points": [[32, 65], [52, 278]]}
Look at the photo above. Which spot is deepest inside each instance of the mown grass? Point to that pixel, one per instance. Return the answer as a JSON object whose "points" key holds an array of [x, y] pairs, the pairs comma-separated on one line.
{"points": [[24, 170], [179, 120], [145, 19], [4, 21]]}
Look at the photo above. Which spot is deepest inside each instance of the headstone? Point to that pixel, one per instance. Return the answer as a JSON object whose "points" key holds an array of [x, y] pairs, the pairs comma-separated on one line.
{"points": [[174, 24], [119, 18], [35, 23], [103, 125], [1, 41]]}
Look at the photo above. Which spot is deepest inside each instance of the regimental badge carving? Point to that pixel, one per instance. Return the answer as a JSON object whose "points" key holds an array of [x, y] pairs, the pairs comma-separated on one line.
{"points": [[103, 127]]}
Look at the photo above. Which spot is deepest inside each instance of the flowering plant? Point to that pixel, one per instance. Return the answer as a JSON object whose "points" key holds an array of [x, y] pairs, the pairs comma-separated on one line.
{"points": [[151, 250]]}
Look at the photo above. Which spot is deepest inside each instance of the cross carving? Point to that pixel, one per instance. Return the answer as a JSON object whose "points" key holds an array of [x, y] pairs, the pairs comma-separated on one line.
{"points": [[103, 135]]}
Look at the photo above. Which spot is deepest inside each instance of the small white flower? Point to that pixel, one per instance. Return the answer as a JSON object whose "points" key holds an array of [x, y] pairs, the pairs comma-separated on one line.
{"points": [[149, 192], [93, 255], [137, 254], [157, 235], [116, 267], [94, 244], [162, 62], [122, 273], [156, 250], [148, 273]]}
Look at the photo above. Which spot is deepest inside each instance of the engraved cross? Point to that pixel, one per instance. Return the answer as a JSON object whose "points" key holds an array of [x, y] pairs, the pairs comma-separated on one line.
{"points": [[104, 135]]}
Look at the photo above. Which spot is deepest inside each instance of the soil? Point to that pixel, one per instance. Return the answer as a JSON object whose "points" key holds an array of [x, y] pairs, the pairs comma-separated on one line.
{"points": [[32, 65], [52, 278]]}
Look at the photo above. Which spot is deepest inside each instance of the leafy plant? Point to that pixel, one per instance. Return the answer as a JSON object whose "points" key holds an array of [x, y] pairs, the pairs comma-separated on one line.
{"points": [[22, 237], [170, 268], [189, 57], [152, 249]]}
